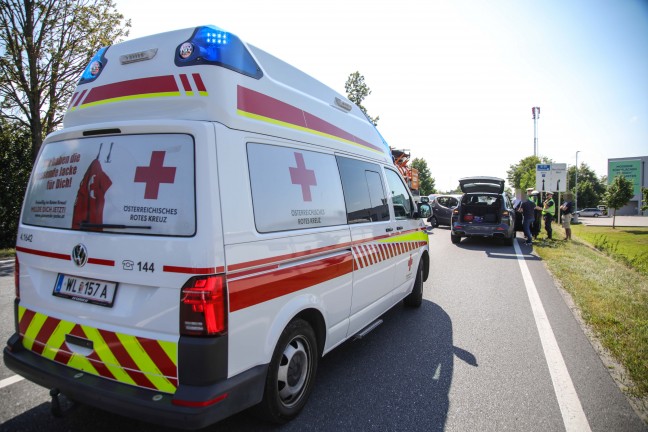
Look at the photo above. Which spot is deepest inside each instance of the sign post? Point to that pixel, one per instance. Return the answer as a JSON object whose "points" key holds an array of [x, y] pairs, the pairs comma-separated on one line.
{"points": [[552, 178]]}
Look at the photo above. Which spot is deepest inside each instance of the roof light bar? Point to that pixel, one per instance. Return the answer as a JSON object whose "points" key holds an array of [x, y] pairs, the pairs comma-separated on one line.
{"points": [[94, 68], [214, 46]]}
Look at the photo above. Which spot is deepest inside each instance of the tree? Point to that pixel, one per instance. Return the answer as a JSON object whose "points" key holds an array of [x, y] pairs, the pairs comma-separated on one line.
{"points": [[426, 181], [357, 91], [16, 166], [590, 188], [45, 46], [644, 191], [523, 175], [618, 194]]}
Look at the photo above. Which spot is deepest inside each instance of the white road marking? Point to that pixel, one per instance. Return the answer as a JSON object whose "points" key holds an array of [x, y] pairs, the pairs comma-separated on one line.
{"points": [[11, 380], [437, 373], [573, 415]]}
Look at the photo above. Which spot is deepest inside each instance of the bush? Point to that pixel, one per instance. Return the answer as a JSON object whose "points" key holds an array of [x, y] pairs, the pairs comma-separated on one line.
{"points": [[16, 163]]}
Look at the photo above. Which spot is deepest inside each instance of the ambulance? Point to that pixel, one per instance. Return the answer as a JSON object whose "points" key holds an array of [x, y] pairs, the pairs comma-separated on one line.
{"points": [[208, 224]]}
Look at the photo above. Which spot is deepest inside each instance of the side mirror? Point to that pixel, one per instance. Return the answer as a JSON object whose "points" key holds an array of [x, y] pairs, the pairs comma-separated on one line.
{"points": [[424, 210], [425, 200]]}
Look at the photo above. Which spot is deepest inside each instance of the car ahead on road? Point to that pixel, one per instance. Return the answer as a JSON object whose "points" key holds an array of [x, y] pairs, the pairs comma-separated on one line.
{"points": [[590, 212], [484, 210], [442, 207]]}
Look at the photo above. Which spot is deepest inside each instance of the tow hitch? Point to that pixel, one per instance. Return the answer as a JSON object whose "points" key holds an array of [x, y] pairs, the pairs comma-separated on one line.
{"points": [[60, 405]]}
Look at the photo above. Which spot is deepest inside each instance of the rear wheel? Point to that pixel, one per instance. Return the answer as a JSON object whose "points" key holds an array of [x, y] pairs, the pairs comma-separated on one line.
{"points": [[455, 238], [435, 222], [291, 373], [415, 298]]}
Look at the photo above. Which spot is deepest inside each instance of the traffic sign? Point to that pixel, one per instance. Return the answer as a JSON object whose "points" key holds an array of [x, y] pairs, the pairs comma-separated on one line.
{"points": [[551, 177]]}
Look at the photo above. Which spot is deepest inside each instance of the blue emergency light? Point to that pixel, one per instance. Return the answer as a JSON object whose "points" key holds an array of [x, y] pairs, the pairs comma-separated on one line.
{"points": [[94, 68], [214, 46]]}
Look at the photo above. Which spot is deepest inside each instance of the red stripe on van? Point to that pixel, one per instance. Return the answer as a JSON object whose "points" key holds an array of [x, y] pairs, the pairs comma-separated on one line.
{"points": [[185, 82], [258, 289], [44, 334], [81, 96], [249, 265], [192, 270], [279, 258], [125, 361], [253, 102], [74, 96], [43, 253], [99, 261], [160, 358], [199, 82], [25, 321], [158, 84]]}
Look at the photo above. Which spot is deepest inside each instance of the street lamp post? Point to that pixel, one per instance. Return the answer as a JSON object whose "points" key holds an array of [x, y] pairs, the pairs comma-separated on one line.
{"points": [[576, 186], [536, 115]]}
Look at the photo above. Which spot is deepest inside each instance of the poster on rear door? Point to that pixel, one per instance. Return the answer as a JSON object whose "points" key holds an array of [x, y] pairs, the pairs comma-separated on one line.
{"points": [[135, 184]]}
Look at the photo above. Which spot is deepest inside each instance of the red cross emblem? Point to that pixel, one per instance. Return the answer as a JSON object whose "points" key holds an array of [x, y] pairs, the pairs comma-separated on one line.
{"points": [[303, 176], [410, 262], [154, 174]]}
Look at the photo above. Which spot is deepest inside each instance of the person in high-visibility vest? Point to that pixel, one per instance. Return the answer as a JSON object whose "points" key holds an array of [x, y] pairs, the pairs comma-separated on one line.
{"points": [[548, 211]]}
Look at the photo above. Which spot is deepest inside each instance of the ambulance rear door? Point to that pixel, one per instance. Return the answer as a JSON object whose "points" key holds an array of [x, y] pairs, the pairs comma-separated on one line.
{"points": [[108, 237]]}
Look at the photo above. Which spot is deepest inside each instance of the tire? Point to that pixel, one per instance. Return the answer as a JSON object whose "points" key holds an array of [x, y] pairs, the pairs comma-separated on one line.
{"points": [[455, 238], [291, 374], [509, 241], [596, 215], [435, 222], [415, 298]]}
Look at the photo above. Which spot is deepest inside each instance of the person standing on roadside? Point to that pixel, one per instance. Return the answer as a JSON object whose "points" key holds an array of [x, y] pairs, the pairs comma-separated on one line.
{"points": [[527, 208], [567, 209], [548, 211], [536, 226]]}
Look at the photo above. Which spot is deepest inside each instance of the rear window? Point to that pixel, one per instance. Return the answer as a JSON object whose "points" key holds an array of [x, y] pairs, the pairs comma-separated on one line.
{"points": [[484, 199], [133, 184]]}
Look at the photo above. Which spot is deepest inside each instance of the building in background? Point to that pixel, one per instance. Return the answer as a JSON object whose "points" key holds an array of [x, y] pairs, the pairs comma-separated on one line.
{"points": [[635, 170]]}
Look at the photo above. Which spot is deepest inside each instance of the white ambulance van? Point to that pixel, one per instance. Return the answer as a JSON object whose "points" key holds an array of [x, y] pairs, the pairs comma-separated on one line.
{"points": [[209, 222]]}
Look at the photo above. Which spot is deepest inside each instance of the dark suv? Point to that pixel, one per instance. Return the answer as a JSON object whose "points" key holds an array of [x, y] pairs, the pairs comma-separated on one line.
{"points": [[483, 211]]}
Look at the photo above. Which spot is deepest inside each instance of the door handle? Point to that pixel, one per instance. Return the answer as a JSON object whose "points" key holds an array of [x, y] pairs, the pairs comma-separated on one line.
{"points": [[399, 228], [389, 229]]}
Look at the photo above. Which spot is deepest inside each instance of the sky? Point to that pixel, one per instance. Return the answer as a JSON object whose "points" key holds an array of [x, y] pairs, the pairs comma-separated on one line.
{"points": [[454, 81]]}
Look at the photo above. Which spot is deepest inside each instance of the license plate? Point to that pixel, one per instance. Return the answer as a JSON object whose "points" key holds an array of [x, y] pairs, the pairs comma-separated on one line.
{"points": [[84, 290]]}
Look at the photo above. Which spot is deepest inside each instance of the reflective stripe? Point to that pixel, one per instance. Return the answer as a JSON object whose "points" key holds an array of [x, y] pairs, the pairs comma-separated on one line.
{"points": [[128, 359], [368, 254], [106, 356]]}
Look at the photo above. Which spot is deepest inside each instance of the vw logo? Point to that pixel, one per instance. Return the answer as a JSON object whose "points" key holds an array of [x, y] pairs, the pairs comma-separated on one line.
{"points": [[80, 255]]}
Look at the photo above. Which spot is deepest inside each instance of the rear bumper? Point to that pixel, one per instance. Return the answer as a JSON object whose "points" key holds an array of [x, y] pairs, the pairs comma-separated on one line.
{"points": [[482, 230], [242, 391]]}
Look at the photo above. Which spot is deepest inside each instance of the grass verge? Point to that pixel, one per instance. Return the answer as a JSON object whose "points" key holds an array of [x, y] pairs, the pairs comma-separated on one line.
{"points": [[611, 294], [7, 253], [627, 245]]}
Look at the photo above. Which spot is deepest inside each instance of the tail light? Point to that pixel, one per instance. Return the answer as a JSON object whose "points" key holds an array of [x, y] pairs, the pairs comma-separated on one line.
{"points": [[203, 306], [17, 277]]}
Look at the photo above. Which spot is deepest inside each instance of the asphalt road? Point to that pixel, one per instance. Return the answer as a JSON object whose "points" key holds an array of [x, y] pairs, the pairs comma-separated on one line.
{"points": [[472, 358]]}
